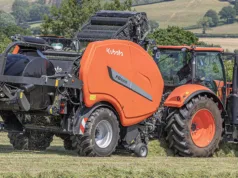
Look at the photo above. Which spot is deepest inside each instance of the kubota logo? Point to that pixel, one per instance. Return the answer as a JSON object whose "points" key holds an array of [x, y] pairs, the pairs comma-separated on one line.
{"points": [[114, 52]]}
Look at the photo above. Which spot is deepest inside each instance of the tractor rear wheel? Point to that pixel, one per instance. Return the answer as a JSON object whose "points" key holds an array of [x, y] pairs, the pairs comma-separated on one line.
{"points": [[39, 141], [101, 134], [18, 140], [196, 129]]}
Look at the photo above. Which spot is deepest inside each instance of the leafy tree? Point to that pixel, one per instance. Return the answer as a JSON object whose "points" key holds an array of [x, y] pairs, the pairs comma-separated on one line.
{"points": [[68, 18], [37, 11], [236, 7], [20, 3], [72, 14], [14, 29], [8, 31], [173, 36], [4, 42], [228, 13], [6, 19], [117, 5], [205, 23], [20, 10], [229, 69], [214, 16]]}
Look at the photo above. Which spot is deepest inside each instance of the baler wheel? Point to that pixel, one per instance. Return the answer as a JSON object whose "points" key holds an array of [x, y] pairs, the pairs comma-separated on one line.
{"points": [[39, 141], [68, 144], [18, 140], [101, 134], [141, 150], [195, 130]]}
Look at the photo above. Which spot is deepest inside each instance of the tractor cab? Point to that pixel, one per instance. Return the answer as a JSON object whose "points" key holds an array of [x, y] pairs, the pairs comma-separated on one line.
{"points": [[180, 65]]}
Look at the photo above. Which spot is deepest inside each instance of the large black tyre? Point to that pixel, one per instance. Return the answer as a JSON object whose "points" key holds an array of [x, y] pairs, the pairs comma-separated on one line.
{"points": [[89, 144], [18, 140], [39, 141], [68, 145], [184, 137]]}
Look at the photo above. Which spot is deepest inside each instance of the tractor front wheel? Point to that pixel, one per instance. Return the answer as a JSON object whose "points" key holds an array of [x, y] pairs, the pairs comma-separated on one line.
{"points": [[196, 129]]}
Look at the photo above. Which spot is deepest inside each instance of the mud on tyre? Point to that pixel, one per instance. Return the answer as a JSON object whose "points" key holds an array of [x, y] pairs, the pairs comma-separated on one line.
{"points": [[195, 130], [101, 134]]}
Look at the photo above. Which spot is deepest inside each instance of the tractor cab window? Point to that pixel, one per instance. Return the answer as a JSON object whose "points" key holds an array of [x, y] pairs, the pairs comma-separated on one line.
{"points": [[209, 69], [174, 66]]}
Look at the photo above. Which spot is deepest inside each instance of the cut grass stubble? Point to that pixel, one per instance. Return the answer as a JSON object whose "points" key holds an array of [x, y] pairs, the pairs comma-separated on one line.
{"points": [[56, 162]]}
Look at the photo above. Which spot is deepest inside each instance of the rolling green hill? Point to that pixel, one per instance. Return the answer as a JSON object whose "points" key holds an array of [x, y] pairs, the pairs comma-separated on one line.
{"points": [[180, 12]]}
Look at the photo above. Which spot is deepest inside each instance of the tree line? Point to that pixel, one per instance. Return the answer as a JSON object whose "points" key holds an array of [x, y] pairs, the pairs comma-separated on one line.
{"points": [[212, 18]]}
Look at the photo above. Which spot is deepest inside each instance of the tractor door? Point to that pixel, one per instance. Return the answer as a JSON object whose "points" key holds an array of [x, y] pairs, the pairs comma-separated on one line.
{"points": [[210, 72]]}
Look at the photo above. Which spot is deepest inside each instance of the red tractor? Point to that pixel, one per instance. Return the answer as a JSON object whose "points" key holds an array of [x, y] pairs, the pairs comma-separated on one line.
{"points": [[198, 99]]}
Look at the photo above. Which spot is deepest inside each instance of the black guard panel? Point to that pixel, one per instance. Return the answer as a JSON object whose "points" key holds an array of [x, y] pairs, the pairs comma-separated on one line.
{"points": [[20, 65]]}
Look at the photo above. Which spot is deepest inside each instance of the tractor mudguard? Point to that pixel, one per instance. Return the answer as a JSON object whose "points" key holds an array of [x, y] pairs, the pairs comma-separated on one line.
{"points": [[83, 114], [183, 94], [123, 74]]}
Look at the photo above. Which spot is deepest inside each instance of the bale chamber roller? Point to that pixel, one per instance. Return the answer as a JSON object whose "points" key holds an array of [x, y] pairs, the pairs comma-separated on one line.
{"points": [[123, 25]]}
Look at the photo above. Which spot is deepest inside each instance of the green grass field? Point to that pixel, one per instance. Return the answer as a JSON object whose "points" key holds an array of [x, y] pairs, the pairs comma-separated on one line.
{"points": [[56, 162], [180, 12]]}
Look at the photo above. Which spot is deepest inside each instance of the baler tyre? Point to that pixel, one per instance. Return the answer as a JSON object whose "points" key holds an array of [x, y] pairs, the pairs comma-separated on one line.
{"points": [[39, 141], [19, 140], [141, 150], [101, 134], [195, 130], [68, 144]]}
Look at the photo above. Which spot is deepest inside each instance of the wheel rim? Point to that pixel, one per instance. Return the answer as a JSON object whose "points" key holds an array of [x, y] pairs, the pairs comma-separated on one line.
{"points": [[143, 151], [202, 128], [103, 134]]}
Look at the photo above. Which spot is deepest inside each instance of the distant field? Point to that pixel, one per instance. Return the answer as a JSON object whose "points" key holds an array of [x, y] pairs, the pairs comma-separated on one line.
{"points": [[227, 43], [180, 12]]}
